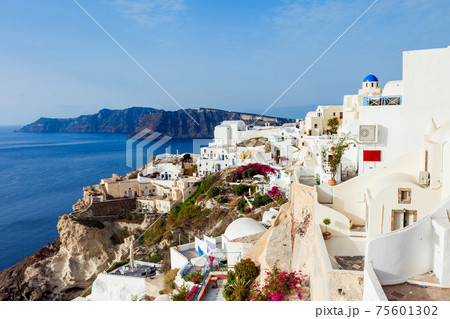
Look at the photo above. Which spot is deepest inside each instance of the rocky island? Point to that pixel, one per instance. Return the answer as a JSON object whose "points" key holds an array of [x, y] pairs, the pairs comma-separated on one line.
{"points": [[177, 124]]}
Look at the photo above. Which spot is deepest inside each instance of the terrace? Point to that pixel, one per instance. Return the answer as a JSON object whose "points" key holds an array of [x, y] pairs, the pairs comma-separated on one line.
{"points": [[141, 270], [382, 100]]}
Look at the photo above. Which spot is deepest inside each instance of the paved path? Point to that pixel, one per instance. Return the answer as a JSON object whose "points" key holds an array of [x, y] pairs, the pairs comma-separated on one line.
{"points": [[215, 294]]}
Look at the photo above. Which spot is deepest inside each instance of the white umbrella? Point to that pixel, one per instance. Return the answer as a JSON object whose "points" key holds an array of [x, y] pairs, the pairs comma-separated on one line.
{"points": [[199, 261]]}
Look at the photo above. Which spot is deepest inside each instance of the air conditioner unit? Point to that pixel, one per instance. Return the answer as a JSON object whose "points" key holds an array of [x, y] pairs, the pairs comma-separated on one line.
{"points": [[424, 178], [368, 133]]}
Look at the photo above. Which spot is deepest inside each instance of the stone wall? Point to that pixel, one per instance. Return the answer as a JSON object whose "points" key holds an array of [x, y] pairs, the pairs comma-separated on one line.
{"points": [[310, 253], [108, 209], [295, 242]]}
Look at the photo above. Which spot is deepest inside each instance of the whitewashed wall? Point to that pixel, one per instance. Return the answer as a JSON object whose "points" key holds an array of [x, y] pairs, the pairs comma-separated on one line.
{"points": [[407, 252]]}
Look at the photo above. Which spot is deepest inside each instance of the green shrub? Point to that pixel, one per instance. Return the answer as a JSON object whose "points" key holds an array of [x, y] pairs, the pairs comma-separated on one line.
{"points": [[246, 270], [228, 288], [128, 216], [242, 189], [117, 265], [221, 199], [240, 204], [156, 233], [214, 191], [249, 173], [241, 290], [239, 281], [195, 277], [259, 200], [155, 258], [181, 293]]}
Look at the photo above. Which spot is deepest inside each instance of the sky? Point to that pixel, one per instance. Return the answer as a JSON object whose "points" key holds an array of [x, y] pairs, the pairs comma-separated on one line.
{"points": [[226, 54]]}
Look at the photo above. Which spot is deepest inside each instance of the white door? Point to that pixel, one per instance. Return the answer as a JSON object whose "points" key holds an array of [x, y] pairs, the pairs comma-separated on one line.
{"points": [[409, 219], [398, 220]]}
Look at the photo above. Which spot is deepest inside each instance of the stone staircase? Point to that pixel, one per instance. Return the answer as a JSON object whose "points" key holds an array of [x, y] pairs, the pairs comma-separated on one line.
{"points": [[358, 231]]}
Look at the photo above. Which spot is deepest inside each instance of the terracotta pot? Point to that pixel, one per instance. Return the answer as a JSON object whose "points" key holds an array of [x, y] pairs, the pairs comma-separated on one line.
{"points": [[326, 235], [331, 182]]}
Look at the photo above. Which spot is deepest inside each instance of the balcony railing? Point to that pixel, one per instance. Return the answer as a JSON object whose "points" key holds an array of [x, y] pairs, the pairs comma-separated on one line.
{"points": [[382, 100]]}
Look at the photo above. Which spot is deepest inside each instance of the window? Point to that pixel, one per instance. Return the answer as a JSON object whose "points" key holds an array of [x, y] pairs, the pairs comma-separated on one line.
{"points": [[334, 113], [404, 195], [315, 125]]}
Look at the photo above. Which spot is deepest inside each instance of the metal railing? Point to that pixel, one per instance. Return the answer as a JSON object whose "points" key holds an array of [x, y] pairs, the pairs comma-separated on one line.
{"points": [[382, 100], [209, 267]]}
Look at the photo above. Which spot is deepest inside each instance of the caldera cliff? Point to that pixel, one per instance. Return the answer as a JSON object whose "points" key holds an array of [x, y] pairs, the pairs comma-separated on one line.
{"points": [[188, 123]]}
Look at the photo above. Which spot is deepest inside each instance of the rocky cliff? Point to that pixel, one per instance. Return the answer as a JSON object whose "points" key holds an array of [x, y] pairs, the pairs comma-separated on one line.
{"points": [[178, 124], [88, 246], [63, 269]]}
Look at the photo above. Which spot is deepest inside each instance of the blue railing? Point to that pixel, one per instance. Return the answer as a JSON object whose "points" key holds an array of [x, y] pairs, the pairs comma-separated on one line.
{"points": [[207, 273], [209, 267], [382, 100], [205, 276]]}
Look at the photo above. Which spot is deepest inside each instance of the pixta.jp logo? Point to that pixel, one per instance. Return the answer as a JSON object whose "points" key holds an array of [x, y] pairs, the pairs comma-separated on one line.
{"points": [[147, 142]]}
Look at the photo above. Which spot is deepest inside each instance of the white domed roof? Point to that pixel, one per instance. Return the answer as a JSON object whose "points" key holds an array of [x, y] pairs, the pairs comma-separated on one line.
{"points": [[393, 88], [243, 227]]}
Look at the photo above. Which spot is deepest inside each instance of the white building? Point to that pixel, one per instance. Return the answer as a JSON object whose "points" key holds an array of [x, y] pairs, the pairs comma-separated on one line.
{"points": [[236, 144], [391, 122]]}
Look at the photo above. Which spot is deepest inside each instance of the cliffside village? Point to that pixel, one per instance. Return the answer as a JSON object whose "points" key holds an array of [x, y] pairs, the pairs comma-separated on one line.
{"points": [[368, 190]]}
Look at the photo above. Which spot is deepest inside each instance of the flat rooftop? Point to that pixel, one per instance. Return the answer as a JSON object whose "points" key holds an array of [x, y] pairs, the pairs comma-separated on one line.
{"points": [[141, 270], [189, 253]]}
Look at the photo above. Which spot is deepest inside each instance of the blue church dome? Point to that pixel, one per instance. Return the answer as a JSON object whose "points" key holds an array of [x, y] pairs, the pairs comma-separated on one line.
{"points": [[370, 78]]}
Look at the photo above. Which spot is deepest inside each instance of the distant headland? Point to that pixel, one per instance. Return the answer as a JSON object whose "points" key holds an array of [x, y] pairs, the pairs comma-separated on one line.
{"points": [[177, 124]]}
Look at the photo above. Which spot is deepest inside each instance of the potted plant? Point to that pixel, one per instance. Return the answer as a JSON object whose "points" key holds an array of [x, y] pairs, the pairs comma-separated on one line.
{"points": [[326, 234], [335, 152]]}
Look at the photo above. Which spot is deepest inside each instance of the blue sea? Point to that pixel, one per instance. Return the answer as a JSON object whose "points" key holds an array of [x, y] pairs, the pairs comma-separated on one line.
{"points": [[43, 174]]}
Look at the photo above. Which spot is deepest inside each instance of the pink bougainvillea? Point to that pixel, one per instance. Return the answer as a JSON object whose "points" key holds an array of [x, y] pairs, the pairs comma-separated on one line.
{"points": [[277, 194], [257, 167], [277, 286], [190, 296], [274, 192], [211, 260]]}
